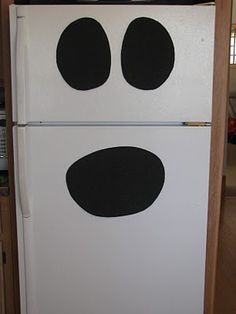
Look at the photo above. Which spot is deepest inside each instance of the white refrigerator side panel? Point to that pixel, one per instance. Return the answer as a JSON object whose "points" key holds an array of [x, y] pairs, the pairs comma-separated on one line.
{"points": [[20, 228], [13, 28], [185, 96], [151, 262]]}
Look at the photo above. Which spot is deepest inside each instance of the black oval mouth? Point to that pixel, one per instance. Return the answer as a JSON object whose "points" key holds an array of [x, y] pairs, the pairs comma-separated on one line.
{"points": [[116, 181]]}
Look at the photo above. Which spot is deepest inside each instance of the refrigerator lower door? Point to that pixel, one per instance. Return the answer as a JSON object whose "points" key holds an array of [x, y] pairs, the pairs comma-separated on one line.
{"points": [[82, 256]]}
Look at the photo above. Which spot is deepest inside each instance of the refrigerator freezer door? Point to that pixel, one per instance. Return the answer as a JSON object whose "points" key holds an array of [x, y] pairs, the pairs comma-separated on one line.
{"points": [[115, 62], [151, 261]]}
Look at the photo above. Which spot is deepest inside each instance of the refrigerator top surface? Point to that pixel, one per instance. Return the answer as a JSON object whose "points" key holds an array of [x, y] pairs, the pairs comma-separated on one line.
{"points": [[77, 2]]}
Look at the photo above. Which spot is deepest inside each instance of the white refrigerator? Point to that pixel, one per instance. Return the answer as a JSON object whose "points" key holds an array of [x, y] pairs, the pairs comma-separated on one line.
{"points": [[112, 110]]}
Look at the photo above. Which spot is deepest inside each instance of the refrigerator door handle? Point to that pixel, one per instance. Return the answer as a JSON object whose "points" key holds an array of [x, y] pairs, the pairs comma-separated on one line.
{"points": [[22, 172], [20, 70]]}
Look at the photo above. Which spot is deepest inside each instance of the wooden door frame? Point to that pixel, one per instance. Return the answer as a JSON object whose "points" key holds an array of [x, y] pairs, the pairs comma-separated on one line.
{"points": [[219, 115]]}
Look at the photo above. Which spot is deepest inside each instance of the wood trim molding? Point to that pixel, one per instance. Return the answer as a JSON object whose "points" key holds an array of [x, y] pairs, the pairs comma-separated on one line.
{"points": [[219, 115], [5, 238], [2, 293]]}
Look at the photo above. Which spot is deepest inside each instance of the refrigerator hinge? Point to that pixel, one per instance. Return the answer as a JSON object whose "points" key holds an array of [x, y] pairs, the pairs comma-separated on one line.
{"points": [[197, 124]]}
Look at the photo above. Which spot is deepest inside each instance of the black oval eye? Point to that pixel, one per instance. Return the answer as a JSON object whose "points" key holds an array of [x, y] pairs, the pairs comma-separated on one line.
{"points": [[147, 55], [116, 181], [83, 54]]}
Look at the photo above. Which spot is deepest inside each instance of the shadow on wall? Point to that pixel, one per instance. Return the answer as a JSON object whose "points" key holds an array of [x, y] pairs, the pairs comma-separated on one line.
{"points": [[232, 81], [231, 170]]}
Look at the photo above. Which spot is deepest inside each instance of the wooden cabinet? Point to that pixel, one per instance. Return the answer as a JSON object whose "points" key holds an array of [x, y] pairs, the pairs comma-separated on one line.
{"points": [[6, 273], [7, 305], [2, 284]]}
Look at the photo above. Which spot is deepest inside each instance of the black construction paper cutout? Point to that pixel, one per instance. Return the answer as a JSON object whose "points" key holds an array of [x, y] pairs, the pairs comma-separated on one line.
{"points": [[147, 55], [83, 54], [116, 181]]}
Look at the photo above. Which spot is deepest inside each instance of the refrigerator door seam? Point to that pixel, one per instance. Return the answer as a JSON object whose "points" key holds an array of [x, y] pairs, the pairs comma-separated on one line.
{"points": [[113, 123]]}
